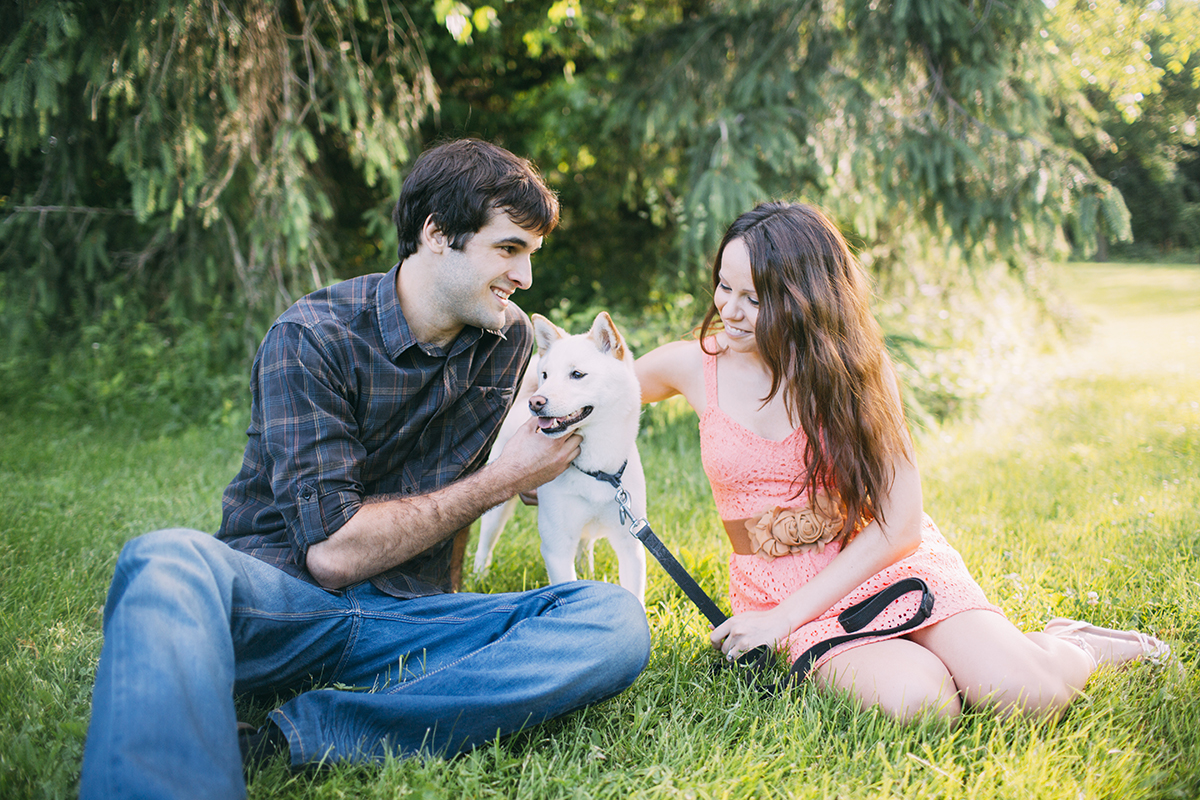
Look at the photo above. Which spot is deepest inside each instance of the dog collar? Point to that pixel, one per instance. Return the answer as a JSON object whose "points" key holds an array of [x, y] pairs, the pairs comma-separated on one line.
{"points": [[613, 478]]}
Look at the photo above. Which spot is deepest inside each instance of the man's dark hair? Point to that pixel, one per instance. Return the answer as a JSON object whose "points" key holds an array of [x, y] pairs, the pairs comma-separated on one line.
{"points": [[462, 184]]}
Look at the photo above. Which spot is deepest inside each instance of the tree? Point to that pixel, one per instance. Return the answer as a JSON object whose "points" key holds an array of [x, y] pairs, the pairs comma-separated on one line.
{"points": [[197, 159], [928, 127], [1134, 71], [191, 155]]}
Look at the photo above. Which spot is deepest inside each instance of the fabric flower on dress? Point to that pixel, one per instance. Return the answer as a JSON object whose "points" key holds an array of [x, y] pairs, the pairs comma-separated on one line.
{"points": [[784, 531]]}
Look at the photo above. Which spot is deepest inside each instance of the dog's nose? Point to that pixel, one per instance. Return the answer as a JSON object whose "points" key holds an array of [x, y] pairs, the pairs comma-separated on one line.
{"points": [[537, 403]]}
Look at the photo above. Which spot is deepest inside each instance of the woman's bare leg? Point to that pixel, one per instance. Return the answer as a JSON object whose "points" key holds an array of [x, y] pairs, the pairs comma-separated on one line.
{"points": [[993, 663], [902, 678]]}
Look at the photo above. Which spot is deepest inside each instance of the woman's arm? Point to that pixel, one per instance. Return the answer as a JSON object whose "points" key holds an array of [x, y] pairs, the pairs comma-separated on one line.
{"points": [[675, 368], [876, 547]]}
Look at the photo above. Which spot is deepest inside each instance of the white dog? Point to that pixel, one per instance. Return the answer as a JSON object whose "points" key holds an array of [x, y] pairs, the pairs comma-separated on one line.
{"points": [[585, 384]]}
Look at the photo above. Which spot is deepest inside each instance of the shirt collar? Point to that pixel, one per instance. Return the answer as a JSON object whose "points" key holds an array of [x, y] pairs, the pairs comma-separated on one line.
{"points": [[397, 336]]}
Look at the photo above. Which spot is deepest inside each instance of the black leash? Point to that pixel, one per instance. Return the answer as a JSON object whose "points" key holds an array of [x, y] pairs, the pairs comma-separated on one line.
{"points": [[852, 620]]}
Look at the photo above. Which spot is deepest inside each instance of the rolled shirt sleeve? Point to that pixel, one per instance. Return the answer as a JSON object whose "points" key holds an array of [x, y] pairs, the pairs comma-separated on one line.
{"points": [[310, 442]]}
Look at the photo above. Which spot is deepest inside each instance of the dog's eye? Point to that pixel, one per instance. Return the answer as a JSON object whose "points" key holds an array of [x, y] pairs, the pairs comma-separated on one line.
{"points": [[576, 375], [543, 376]]}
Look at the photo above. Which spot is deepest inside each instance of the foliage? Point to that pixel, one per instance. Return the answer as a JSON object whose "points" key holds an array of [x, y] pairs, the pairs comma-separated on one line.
{"points": [[967, 335], [924, 118], [183, 157], [924, 129], [1112, 46], [199, 164], [1135, 78], [126, 370]]}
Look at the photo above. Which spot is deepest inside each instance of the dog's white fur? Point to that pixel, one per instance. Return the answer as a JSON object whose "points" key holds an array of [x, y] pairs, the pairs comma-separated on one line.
{"points": [[593, 370]]}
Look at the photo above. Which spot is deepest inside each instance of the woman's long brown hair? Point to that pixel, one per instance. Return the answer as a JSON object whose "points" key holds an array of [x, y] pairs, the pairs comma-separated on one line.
{"points": [[825, 351]]}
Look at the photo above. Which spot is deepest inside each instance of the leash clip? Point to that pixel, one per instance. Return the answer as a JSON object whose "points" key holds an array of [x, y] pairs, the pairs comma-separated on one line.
{"points": [[626, 512]]}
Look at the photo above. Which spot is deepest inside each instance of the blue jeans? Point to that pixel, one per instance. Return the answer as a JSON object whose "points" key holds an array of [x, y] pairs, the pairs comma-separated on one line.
{"points": [[190, 623]]}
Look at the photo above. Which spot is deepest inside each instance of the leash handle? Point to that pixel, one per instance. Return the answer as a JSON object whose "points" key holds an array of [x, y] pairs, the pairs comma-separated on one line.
{"points": [[859, 615]]}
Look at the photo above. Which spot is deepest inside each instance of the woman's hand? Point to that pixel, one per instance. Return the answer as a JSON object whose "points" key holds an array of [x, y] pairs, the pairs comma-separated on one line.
{"points": [[741, 634]]}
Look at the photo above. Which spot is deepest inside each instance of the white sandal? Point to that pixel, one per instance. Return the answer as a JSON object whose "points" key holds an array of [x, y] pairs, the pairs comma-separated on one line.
{"points": [[1108, 646]]}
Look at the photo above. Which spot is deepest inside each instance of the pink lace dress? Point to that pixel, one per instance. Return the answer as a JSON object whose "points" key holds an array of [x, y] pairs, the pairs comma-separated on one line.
{"points": [[750, 474]]}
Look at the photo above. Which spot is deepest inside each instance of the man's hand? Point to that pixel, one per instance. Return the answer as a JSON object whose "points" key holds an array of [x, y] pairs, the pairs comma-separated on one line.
{"points": [[530, 458]]}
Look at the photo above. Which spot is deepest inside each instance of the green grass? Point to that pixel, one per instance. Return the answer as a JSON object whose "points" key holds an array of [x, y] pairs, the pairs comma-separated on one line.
{"points": [[1081, 499]]}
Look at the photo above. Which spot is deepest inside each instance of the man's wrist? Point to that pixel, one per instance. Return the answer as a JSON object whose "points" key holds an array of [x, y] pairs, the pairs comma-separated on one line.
{"points": [[497, 483]]}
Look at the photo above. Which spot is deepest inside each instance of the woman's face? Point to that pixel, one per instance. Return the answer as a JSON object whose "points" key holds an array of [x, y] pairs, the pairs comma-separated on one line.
{"points": [[735, 297]]}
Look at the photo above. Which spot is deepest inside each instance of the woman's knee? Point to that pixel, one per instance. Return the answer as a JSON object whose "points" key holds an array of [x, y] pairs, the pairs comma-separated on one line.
{"points": [[899, 677], [915, 697], [927, 696], [997, 666]]}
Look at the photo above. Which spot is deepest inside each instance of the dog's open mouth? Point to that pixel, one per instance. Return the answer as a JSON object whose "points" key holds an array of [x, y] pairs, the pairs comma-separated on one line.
{"points": [[552, 426]]}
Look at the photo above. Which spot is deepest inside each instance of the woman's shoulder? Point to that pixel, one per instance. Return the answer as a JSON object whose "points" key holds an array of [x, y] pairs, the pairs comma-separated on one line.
{"points": [[683, 348], [684, 356]]}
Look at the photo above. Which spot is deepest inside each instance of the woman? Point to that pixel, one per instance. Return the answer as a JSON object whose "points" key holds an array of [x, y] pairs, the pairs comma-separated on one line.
{"points": [[804, 441]]}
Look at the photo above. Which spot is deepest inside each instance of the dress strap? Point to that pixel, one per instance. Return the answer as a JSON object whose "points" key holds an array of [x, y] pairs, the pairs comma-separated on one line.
{"points": [[710, 375]]}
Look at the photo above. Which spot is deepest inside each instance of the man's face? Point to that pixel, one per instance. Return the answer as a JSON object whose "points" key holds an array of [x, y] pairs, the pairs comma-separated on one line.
{"points": [[474, 283]]}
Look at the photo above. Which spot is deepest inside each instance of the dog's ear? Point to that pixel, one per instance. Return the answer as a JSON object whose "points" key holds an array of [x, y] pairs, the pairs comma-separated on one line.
{"points": [[606, 336], [545, 332]]}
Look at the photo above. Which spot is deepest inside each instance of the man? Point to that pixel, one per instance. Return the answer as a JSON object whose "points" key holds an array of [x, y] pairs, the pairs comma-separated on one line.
{"points": [[375, 403]]}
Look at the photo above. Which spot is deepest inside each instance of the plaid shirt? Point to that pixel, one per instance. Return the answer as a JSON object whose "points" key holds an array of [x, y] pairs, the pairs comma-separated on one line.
{"points": [[348, 404]]}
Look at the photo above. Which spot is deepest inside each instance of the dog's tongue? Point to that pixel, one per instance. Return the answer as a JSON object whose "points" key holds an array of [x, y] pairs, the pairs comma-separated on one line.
{"points": [[547, 422]]}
